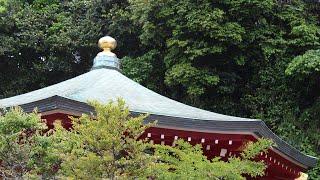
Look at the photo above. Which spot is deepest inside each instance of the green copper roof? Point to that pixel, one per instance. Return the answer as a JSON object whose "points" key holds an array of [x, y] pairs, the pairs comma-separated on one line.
{"points": [[105, 84]]}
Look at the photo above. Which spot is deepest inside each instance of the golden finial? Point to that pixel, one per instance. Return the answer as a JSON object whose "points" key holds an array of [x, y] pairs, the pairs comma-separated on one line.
{"points": [[106, 58], [107, 43]]}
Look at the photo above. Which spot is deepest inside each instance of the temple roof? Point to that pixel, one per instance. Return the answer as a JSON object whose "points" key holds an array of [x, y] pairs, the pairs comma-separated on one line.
{"points": [[105, 84]]}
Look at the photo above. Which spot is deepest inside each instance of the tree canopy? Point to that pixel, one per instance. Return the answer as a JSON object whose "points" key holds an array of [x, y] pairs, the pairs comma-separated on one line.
{"points": [[257, 59]]}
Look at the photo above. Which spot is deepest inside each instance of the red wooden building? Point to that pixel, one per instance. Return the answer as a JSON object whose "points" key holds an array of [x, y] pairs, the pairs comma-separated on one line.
{"points": [[220, 135]]}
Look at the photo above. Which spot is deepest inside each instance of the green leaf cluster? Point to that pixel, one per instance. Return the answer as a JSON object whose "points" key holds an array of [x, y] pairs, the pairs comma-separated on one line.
{"points": [[305, 65], [185, 161], [23, 145], [106, 145]]}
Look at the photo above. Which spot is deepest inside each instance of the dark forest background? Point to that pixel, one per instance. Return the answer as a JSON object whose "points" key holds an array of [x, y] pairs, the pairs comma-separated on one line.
{"points": [[256, 59]]}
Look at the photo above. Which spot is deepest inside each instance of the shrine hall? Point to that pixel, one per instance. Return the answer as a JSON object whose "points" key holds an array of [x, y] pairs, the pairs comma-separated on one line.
{"points": [[220, 135]]}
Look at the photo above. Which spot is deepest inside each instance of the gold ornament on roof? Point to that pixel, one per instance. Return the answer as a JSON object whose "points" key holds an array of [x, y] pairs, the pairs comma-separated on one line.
{"points": [[107, 43]]}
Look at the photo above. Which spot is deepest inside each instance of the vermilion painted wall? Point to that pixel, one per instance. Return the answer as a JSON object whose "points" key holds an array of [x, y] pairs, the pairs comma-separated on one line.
{"points": [[64, 118]]}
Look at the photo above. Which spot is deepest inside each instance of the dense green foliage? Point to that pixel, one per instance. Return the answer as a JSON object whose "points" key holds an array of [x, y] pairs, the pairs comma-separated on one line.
{"points": [[255, 58], [23, 146], [108, 146], [185, 161]]}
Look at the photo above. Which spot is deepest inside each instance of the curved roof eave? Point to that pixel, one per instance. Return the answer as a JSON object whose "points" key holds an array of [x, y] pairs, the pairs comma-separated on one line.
{"points": [[256, 127]]}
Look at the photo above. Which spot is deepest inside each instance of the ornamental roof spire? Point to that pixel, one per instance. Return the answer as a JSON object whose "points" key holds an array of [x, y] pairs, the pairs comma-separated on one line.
{"points": [[106, 58]]}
